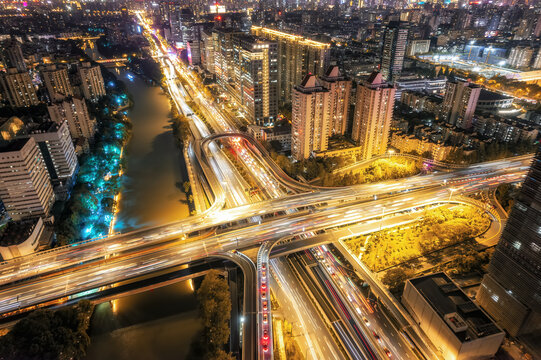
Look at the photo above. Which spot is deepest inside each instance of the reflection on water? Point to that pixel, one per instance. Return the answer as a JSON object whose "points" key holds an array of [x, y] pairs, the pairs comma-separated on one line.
{"points": [[153, 180], [158, 324]]}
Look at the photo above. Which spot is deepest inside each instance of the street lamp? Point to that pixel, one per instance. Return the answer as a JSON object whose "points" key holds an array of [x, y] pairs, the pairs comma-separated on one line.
{"points": [[451, 191], [382, 216]]}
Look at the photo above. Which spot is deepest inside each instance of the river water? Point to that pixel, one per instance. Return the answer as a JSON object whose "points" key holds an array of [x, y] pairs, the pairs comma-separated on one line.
{"points": [[152, 193], [158, 324]]}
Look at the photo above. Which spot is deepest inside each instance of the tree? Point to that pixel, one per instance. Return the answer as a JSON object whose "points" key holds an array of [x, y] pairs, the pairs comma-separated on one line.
{"points": [[187, 186], [47, 334], [394, 278], [214, 310], [275, 145], [219, 354]]}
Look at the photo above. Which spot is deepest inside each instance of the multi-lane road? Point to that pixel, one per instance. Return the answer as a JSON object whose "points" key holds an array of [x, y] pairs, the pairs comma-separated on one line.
{"points": [[246, 222]]}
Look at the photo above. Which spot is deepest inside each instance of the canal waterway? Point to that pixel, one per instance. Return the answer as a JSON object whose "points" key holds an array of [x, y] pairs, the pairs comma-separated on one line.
{"points": [[152, 192], [161, 323]]}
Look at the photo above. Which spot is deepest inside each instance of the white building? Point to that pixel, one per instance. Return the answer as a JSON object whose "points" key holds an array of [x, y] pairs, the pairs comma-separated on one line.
{"points": [[25, 188], [56, 146]]}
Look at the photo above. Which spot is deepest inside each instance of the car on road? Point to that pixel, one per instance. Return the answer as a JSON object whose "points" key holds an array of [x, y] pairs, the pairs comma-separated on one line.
{"points": [[388, 352], [265, 318]]}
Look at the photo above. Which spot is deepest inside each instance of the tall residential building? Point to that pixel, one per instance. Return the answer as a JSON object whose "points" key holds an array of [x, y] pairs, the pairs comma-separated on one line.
{"points": [[57, 83], [92, 83], [520, 57], [12, 57], [17, 87], [56, 146], [25, 188], [395, 39], [537, 61], [339, 87], [460, 102], [224, 62], [297, 57], [373, 114], [75, 112], [310, 118], [256, 78], [511, 290]]}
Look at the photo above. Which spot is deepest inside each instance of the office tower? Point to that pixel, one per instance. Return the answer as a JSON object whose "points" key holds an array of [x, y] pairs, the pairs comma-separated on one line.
{"points": [[395, 39], [520, 57], [91, 81], [17, 87], [57, 83], [297, 57], [256, 78], [310, 118], [25, 188], [339, 88], [373, 114], [207, 52], [181, 21], [75, 112], [223, 55], [511, 290], [13, 57], [54, 142], [460, 102]]}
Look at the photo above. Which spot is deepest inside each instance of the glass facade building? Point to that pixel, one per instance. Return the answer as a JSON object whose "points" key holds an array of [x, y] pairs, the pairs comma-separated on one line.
{"points": [[511, 291]]}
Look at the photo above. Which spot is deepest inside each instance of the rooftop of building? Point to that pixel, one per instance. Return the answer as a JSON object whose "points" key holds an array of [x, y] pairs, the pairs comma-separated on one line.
{"points": [[291, 37], [16, 232], [447, 299], [425, 94], [376, 80], [45, 127], [310, 84], [333, 73], [487, 95], [15, 145], [404, 81], [280, 128]]}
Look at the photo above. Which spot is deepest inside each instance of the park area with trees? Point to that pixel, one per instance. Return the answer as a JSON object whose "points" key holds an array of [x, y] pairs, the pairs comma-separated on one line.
{"points": [[323, 170], [49, 334], [90, 210], [214, 301], [438, 228]]}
